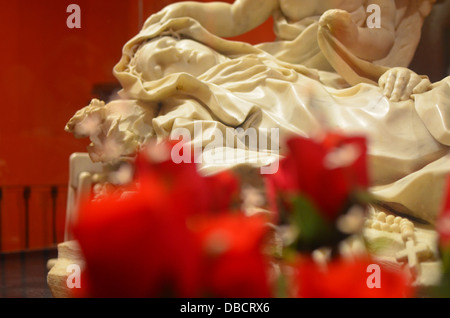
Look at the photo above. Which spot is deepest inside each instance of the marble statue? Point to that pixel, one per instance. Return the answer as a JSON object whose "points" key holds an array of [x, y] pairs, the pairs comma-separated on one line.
{"points": [[177, 71]]}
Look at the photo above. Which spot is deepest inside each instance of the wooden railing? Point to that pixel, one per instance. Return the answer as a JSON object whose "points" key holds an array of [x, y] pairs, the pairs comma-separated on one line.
{"points": [[31, 217]]}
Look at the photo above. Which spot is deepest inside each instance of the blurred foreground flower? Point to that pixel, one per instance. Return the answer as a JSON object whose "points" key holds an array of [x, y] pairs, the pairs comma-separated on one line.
{"points": [[137, 247], [443, 221], [191, 192], [326, 173], [173, 236], [316, 184], [232, 247]]}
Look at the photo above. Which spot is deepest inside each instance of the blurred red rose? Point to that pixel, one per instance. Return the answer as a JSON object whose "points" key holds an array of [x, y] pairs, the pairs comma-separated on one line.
{"points": [[349, 279], [325, 172], [137, 247], [235, 265], [191, 192]]}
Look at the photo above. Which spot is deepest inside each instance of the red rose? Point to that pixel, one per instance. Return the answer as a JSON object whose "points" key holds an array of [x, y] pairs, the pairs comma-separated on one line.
{"points": [[137, 247], [191, 192], [235, 265], [325, 172]]}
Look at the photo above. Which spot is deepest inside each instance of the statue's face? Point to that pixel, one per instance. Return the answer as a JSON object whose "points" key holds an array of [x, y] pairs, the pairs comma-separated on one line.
{"points": [[166, 55]]}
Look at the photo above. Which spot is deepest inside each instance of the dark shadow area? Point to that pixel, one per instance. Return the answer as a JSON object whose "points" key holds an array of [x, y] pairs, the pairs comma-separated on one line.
{"points": [[24, 274], [433, 53]]}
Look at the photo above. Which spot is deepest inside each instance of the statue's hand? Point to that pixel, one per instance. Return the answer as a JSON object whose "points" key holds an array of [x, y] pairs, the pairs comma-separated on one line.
{"points": [[341, 25], [400, 83]]}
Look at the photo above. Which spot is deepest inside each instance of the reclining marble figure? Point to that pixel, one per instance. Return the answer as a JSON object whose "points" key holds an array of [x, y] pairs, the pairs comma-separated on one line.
{"points": [[179, 71]]}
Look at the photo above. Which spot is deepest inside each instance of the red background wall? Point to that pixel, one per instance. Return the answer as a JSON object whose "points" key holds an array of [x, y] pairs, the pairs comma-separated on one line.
{"points": [[48, 72]]}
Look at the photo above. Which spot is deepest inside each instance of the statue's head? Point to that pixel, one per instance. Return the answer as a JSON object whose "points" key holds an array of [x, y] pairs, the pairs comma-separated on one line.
{"points": [[166, 55]]}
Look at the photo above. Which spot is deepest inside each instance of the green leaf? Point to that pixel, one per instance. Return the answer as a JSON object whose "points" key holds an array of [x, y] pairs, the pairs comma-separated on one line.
{"points": [[314, 230], [362, 197], [445, 256]]}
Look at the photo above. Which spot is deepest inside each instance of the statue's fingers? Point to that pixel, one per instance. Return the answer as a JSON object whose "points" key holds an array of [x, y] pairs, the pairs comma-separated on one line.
{"points": [[422, 86], [400, 85], [390, 82], [413, 82]]}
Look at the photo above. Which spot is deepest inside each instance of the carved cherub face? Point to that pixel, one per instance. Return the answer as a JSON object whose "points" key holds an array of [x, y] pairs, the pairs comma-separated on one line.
{"points": [[166, 55]]}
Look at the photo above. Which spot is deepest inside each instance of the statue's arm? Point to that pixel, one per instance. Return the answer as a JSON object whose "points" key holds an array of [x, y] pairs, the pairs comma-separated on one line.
{"points": [[220, 18], [370, 44]]}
